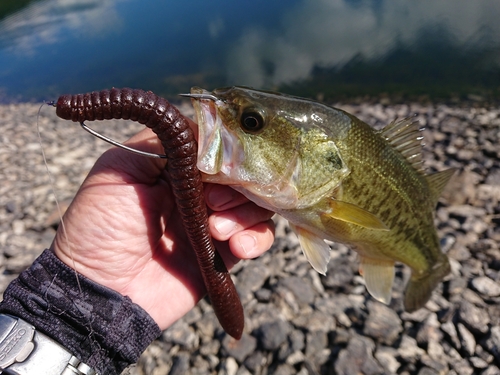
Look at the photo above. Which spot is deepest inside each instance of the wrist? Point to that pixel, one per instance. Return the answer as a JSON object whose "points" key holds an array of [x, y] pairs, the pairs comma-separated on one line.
{"points": [[48, 296]]}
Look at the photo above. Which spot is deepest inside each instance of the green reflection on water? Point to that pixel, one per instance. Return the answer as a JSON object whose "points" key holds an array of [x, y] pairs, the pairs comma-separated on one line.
{"points": [[10, 6]]}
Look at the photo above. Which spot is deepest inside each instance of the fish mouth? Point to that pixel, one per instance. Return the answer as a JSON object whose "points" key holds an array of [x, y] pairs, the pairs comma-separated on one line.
{"points": [[210, 129]]}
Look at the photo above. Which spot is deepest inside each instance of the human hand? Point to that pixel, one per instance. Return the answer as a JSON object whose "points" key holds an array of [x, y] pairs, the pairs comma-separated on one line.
{"points": [[124, 232]]}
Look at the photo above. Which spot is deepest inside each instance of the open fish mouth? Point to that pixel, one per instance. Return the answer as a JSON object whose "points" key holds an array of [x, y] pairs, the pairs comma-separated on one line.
{"points": [[219, 150], [210, 147]]}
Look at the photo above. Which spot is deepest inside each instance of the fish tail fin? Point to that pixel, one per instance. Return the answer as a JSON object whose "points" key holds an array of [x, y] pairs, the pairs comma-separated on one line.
{"points": [[419, 289]]}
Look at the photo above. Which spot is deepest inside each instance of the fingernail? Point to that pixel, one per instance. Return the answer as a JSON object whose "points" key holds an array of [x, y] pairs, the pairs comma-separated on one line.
{"points": [[248, 244], [219, 197], [224, 226]]}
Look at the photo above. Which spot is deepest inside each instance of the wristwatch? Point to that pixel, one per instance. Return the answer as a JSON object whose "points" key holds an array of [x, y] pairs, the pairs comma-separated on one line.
{"points": [[26, 351]]}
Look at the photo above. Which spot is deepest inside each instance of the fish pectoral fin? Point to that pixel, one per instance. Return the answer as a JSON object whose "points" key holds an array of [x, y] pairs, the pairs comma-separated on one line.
{"points": [[351, 213], [379, 276], [315, 249]]}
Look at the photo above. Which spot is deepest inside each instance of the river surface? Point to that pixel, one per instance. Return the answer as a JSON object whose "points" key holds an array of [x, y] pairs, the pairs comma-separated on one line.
{"points": [[321, 48]]}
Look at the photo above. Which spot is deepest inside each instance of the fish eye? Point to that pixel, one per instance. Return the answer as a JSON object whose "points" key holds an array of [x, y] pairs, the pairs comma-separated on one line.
{"points": [[252, 121]]}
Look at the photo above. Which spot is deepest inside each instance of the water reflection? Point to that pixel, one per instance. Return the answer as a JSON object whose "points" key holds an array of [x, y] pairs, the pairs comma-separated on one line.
{"points": [[54, 46], [332, 33], [46, 22]]}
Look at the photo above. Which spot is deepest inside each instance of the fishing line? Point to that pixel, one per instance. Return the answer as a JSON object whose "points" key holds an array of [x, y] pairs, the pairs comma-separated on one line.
{"points": [[54, 191]]}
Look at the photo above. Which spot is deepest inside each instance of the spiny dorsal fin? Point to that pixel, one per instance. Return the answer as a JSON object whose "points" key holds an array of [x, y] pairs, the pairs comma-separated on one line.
{"points": [[437, 182], [405, 136]]}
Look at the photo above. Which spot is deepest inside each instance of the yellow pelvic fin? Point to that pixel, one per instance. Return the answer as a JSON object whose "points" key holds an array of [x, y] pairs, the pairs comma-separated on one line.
{"points": [[379, 276], [437, 182], [351, 213], [315, 249]]}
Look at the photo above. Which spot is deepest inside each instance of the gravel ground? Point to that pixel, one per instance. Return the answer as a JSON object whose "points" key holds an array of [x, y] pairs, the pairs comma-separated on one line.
{"points": [[296, 320]]}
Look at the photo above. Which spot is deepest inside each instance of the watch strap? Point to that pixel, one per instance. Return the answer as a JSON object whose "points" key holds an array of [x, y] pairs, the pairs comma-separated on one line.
{"points": [[26, 351]]}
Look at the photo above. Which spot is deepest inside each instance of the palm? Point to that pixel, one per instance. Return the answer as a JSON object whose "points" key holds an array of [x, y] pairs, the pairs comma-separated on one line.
{"points": [[124, 233]]}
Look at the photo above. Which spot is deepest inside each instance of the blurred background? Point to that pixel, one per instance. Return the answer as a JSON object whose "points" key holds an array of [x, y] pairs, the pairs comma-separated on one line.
{"points": [[328, 49]]}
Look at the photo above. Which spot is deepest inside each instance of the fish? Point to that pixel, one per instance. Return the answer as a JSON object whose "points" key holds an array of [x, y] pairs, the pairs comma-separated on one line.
{"points": [[333, 177]]}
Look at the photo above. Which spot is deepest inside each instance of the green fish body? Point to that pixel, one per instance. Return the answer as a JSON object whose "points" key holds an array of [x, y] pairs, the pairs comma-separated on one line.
{"points": [[332, 177]]}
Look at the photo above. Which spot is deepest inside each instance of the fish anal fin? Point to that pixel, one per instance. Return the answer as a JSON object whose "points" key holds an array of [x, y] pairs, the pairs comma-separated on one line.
{"points": [[315, 249], [379, 277], [437, 182], [353, 214]]}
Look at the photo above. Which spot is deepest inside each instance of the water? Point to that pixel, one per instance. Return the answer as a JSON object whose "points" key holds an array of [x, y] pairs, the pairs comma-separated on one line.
{"points": [[326, 48]]}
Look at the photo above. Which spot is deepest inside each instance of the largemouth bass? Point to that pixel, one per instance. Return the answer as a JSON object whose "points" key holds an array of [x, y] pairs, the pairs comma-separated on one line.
{"points": [[332, 177]]}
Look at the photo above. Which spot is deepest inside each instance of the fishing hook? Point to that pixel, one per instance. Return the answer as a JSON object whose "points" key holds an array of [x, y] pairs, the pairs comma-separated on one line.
{"points": [[201, 96], [112, 141], [121, 145]]}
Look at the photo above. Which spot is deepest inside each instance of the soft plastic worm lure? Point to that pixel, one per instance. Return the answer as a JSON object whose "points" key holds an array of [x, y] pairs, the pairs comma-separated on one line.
{"points": [[180, 147]]}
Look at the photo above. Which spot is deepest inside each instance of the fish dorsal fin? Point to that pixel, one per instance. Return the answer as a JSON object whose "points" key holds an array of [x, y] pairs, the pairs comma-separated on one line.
{"points": [[379, 277], [315, 249], [437, 182], [406, 136], [353, 214]]}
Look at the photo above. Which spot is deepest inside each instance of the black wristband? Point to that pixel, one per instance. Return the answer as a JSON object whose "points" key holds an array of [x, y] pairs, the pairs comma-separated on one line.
{"points": [[98, 325]]}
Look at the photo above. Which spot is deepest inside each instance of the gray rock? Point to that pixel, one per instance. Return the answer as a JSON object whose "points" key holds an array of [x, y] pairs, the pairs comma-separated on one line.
{"points": [[180, 365], [256, 361], [297, 340], [478, 363], [387, 359], [491, 370], [427, 371], [301, 288], [475, 319], [467, 339], [316, 321], [263, 295], [316, 343], [429, 330], [239, 349], [357, 358], [250, 279], [228, 367], [271, 335], [409, 350], [493, 342], [180, 333], [207, 324], [451, 331], [340, 274], [201, 366], [284, 369], [438, 365], [486, 286], [382, 324]]}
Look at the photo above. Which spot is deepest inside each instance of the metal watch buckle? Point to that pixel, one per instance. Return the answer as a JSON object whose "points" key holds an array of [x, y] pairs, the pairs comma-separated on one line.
{"points": [[16, 341]]}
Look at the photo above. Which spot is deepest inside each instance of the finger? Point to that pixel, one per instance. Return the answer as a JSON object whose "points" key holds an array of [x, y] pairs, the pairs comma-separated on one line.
{"points": [[221, 197], [254, 241], [225, 224]]}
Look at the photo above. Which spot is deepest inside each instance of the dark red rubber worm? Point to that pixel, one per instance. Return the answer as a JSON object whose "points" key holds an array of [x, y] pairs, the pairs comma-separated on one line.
{"points": [[180, 147]]}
